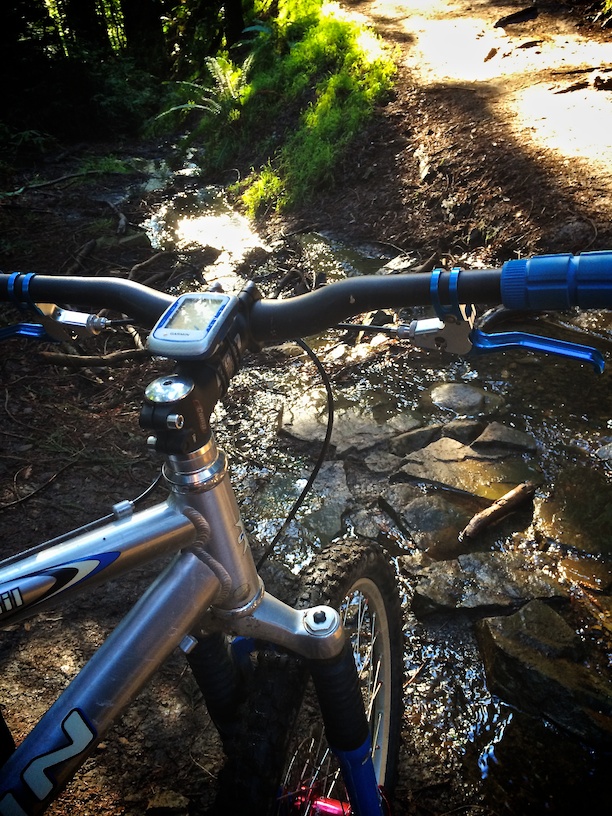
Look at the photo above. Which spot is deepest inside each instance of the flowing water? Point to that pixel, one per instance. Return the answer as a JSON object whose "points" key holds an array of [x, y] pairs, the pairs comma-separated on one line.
{"points": [[454, 728]]}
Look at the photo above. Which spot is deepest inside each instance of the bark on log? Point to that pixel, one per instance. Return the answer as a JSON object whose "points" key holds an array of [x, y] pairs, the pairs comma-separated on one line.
{"points": [[500, 508]]}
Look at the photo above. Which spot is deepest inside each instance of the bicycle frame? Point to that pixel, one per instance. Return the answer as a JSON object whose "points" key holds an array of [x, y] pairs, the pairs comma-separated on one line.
{"points": [[184, 600]]}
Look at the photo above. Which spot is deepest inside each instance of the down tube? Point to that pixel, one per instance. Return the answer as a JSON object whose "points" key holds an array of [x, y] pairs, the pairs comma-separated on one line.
{"points": [[65, 736]]}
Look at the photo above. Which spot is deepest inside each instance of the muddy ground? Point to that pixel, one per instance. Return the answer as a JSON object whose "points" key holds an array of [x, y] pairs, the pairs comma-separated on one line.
{"points": [[445, 169]]}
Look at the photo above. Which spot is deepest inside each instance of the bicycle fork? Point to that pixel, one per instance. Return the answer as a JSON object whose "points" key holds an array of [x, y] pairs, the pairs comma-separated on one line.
{"points": [[315, 633]]}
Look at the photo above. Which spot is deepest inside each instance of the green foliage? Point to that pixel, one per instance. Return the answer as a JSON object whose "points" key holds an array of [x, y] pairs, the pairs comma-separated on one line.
{"points": [[265, 189], [123, 96], [224, 100], [105, 164], [316, 77]]}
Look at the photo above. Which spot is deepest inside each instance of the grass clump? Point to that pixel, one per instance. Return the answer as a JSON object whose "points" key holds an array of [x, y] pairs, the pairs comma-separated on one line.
{"points": [[312, 78], [332, 77]]}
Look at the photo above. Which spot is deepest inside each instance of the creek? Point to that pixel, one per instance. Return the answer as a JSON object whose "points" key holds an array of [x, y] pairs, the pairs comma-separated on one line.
{"points": [[488, 691]]}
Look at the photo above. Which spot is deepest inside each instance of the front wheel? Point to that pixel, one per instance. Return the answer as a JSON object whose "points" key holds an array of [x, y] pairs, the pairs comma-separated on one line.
{"points": [[284, 756]]}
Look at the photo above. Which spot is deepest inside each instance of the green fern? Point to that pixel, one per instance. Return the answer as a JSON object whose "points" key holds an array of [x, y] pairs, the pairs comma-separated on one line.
{"points": [[206, 100], [230, 80]]}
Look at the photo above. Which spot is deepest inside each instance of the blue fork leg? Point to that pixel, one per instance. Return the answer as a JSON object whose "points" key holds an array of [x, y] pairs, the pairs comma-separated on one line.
{"points": [[347, 730]]}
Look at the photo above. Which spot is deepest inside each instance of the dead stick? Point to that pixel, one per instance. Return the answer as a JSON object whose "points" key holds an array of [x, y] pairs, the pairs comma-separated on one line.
{"points": [[92, 361], [506, 504], [36, 490]]}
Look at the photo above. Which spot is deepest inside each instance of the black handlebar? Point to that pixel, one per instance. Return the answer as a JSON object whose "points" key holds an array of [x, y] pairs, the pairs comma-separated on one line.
{"points": [[545, 282], [274, 320], [128, 297], [270, 321]]}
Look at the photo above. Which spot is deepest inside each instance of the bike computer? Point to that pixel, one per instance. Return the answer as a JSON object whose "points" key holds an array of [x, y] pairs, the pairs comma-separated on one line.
{"points": [[193, 326]]}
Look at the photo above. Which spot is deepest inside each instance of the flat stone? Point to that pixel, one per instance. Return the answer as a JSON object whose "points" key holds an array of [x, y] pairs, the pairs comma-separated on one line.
{"points": [[578, 513], [478, 582], [353, 429], [414, 440], [605, 452], [382, 462], [465, 400], [489, 474], [433, 525], [463, 430], [496, 435], [533, 661]]}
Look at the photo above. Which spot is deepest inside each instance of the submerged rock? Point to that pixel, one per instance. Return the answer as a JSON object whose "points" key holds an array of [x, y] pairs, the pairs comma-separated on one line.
{"points": [[481, 583], [354, 429], [430, 522], [465, 400], [532, 660], [485, 472]]}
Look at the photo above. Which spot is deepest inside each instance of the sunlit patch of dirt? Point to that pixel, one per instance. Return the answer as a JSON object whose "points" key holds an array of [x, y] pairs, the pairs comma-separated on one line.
{"points": [[548, 78]]}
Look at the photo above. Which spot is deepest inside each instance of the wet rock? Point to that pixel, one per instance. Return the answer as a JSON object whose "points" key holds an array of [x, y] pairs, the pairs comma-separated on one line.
{"points": [[368, 523], [353, 429], [496, 436], [578, 513], [605, 452], [414, 440], [382, 462], [332, 500], [532, 661], [481, 582], [487, 473], [432, 524], [463, 430], [465, 400], [587, 572]]}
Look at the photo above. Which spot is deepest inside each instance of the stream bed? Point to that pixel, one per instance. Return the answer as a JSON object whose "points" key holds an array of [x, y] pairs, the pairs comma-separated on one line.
{"points": [[508, 695]]}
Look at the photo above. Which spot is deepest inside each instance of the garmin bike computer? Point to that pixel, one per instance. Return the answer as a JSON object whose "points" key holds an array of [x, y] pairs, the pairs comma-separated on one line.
{"points": [[193, 326]]}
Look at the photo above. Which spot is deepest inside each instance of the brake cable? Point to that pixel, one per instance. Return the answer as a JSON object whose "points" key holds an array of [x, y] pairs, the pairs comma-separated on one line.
{"points": [[320, 459]]}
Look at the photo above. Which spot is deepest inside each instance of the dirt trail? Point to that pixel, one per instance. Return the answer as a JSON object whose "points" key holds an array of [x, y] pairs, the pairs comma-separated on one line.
{"points": [[498, 141], [544, 79]]}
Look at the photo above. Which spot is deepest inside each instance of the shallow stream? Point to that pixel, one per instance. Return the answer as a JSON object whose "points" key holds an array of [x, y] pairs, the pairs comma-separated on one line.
{"points": [[457, 736]]}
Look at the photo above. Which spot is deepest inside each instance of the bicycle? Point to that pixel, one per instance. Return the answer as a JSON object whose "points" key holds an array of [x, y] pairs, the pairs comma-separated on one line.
{"points": [[252, 656]]}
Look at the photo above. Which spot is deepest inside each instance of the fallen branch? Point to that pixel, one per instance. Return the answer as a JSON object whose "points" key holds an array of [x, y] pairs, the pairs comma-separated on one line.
{"points": [[40, 184], [500, 508], [115, 358], [38, 489], [143, 264]]}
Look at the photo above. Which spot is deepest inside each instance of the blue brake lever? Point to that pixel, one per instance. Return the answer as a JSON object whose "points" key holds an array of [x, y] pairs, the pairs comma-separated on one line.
{"points": [[505, 340], [24, 330]]}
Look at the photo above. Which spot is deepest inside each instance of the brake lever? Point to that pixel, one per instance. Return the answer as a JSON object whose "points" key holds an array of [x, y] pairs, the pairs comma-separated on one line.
{"points": [[34, 330], [57, 324], [500, 341]]}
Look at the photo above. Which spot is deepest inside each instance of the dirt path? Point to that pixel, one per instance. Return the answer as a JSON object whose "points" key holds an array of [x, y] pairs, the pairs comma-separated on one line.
{"points": [[498, 141]]}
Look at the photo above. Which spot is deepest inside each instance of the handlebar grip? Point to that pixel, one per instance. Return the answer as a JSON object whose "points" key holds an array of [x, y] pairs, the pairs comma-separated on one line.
{"points": [[558, 282]]}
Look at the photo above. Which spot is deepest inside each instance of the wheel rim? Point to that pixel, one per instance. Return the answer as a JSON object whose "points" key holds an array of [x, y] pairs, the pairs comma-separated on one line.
{"points": [[364, 617], [312, 783]]}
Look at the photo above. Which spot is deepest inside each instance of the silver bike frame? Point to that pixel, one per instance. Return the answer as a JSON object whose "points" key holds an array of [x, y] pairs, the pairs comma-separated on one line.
{"points": [[184, 599]]}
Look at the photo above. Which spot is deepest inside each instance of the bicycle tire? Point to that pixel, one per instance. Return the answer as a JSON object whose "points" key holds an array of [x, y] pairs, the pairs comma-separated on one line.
{"points": [[259, 778]]}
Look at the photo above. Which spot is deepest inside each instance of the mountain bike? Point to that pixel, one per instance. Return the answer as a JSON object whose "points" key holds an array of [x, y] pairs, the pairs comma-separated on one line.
{"points": [[306, 698]]}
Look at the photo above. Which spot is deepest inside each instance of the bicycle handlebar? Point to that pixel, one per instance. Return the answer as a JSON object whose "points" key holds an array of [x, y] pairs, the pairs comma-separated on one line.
{"points": [[540, 283]]}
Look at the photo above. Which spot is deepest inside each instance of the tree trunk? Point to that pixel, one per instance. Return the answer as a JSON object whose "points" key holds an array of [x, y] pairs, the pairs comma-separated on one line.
{"points": [[142, 25], [85, 26], [233, 21]]}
